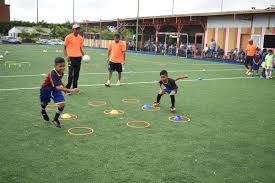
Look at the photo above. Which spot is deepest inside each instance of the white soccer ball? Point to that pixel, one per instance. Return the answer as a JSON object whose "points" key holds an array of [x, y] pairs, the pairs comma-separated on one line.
{"points": [[86, 58], [1, 56]]}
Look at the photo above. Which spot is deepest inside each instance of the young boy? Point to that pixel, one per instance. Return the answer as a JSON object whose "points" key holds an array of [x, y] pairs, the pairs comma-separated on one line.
{"points": [[256, 63], [269, 59], [52, 88], [170, 87]]}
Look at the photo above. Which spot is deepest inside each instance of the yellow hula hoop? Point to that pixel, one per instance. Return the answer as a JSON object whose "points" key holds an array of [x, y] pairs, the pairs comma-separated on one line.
{"points": [[130, 101], [73, 117], [153, 109], [97, 103], [147, 125], [120, 112], [172, 119], [90, 132]]}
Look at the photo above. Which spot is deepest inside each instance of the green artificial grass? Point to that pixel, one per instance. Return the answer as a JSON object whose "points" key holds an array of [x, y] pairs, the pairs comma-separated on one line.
{"points": [[230, 137]]}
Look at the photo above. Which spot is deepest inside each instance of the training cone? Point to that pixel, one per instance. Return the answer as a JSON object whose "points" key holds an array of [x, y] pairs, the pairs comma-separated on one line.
{"points": [[66, 116], [147, 106], [179, 118], [114, 112]]}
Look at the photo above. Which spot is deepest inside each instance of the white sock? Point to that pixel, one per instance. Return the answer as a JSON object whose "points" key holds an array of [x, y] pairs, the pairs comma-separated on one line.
{"points": [[266, 74], [108, 81], [270, 74]]}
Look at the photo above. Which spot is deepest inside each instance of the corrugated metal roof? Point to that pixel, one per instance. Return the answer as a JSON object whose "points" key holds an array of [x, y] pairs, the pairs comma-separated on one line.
{"points": [[243, 12]]}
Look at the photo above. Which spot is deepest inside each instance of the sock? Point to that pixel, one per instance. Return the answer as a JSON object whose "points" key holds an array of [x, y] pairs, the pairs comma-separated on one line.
{"points": [[270, 74], [43, 108], [108, 81], [172, 100], [158, 98], [58, 112], [266, 74]]}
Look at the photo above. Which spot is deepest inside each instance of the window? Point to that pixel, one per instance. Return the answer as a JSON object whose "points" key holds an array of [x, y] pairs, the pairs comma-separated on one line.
{"points": [[256, 40], [269, 41]]}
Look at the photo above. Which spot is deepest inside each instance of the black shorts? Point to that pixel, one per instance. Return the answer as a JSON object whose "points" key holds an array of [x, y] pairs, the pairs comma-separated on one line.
{"points": [[249, 60], [115, 66]]}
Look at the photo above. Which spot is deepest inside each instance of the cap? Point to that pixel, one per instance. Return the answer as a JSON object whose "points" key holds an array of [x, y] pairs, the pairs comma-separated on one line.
{"points": [[75, 26]]}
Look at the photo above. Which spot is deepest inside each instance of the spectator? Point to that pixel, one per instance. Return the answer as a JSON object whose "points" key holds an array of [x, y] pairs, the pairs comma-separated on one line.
{"points": [[206, 50], [212, 47], [220, 52]]}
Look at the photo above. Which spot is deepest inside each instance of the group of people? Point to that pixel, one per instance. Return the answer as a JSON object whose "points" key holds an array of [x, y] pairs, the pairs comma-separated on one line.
{"points": [[254, 59], [53, 88]]}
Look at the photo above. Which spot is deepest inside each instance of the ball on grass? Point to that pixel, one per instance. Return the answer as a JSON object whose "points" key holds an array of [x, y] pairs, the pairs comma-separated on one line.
{"points": [[86, 58]]}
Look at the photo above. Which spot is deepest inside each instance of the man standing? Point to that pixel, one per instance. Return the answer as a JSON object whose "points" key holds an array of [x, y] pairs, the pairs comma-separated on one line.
{"points": [[116, 57], [212, 48], [250, 52], [73, 51]]}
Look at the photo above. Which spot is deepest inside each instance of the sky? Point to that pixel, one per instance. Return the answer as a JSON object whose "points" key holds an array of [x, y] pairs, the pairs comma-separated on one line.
{"points": [[59, 11]]}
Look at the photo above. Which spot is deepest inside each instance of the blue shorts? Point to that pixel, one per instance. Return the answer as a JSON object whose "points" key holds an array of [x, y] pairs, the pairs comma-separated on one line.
{"points": [[46, 94], [256, 67], [167, 90], [114, 66]]}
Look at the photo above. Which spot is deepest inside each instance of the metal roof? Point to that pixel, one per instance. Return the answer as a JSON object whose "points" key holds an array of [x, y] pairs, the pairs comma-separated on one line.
{"points": [[226, 13]]}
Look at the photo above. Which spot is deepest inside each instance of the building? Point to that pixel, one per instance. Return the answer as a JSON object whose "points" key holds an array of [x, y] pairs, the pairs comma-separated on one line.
{"points": [[229, 29], [4, 11], [16, 31]]}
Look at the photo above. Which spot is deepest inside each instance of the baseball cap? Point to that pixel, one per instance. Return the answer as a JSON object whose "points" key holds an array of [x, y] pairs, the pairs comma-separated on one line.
{"points": [[75, 26]]}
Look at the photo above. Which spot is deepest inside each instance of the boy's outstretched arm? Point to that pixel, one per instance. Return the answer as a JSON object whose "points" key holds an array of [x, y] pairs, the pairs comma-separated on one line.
{"points": [[181, 77]]}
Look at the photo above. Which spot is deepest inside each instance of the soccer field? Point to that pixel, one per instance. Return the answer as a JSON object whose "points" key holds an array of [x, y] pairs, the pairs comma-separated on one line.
{"points": [[230, 137]]}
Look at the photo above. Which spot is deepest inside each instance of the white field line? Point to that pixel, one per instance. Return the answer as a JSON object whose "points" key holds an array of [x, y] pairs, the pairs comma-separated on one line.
{"points": [[174, 63], [134, 72], [134, 83]]}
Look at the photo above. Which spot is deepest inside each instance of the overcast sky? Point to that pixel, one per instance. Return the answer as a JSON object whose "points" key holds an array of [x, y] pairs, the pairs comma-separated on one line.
{"points": [[59, 11]]}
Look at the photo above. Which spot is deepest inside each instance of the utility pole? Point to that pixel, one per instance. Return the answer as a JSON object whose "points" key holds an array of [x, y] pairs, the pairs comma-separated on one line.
{"points": [[73, 11], [221, 5], [137, 27], [37, 19], [173, 3]]}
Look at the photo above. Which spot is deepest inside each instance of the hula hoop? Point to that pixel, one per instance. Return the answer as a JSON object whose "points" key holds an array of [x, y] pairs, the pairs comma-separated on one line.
{"points": [[97, 103], [90, 132], [72, 117], [147, 125], [51, 107], [172, 119], [120, 112], [130, 101], [153, 109]]}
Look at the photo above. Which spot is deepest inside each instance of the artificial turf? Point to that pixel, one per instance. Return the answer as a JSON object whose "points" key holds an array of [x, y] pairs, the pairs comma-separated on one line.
{"points": [[230, 137]]}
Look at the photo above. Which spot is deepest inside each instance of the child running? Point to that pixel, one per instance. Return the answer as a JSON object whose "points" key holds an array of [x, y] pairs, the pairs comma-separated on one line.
{"points": [[53, 88], [170, 87]]}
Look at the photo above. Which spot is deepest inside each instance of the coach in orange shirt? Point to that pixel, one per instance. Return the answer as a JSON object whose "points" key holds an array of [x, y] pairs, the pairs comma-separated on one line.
{"points": [[250, 52], [73, 51], [116, 57]]}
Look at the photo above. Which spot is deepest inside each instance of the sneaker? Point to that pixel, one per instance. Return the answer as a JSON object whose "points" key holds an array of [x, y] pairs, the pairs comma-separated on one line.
{"points": [[118, 83], [56, 123], [173, 109], [156, 104], [108, 84], [45, 115]]}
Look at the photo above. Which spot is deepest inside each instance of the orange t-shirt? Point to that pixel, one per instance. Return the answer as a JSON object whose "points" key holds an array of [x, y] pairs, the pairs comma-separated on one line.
{"points": [[73, 45], [117, 51], [251, 50]]}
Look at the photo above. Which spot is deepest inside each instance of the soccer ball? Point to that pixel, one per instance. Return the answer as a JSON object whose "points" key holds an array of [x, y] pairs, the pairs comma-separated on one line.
{"points": [[86, 58]]}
